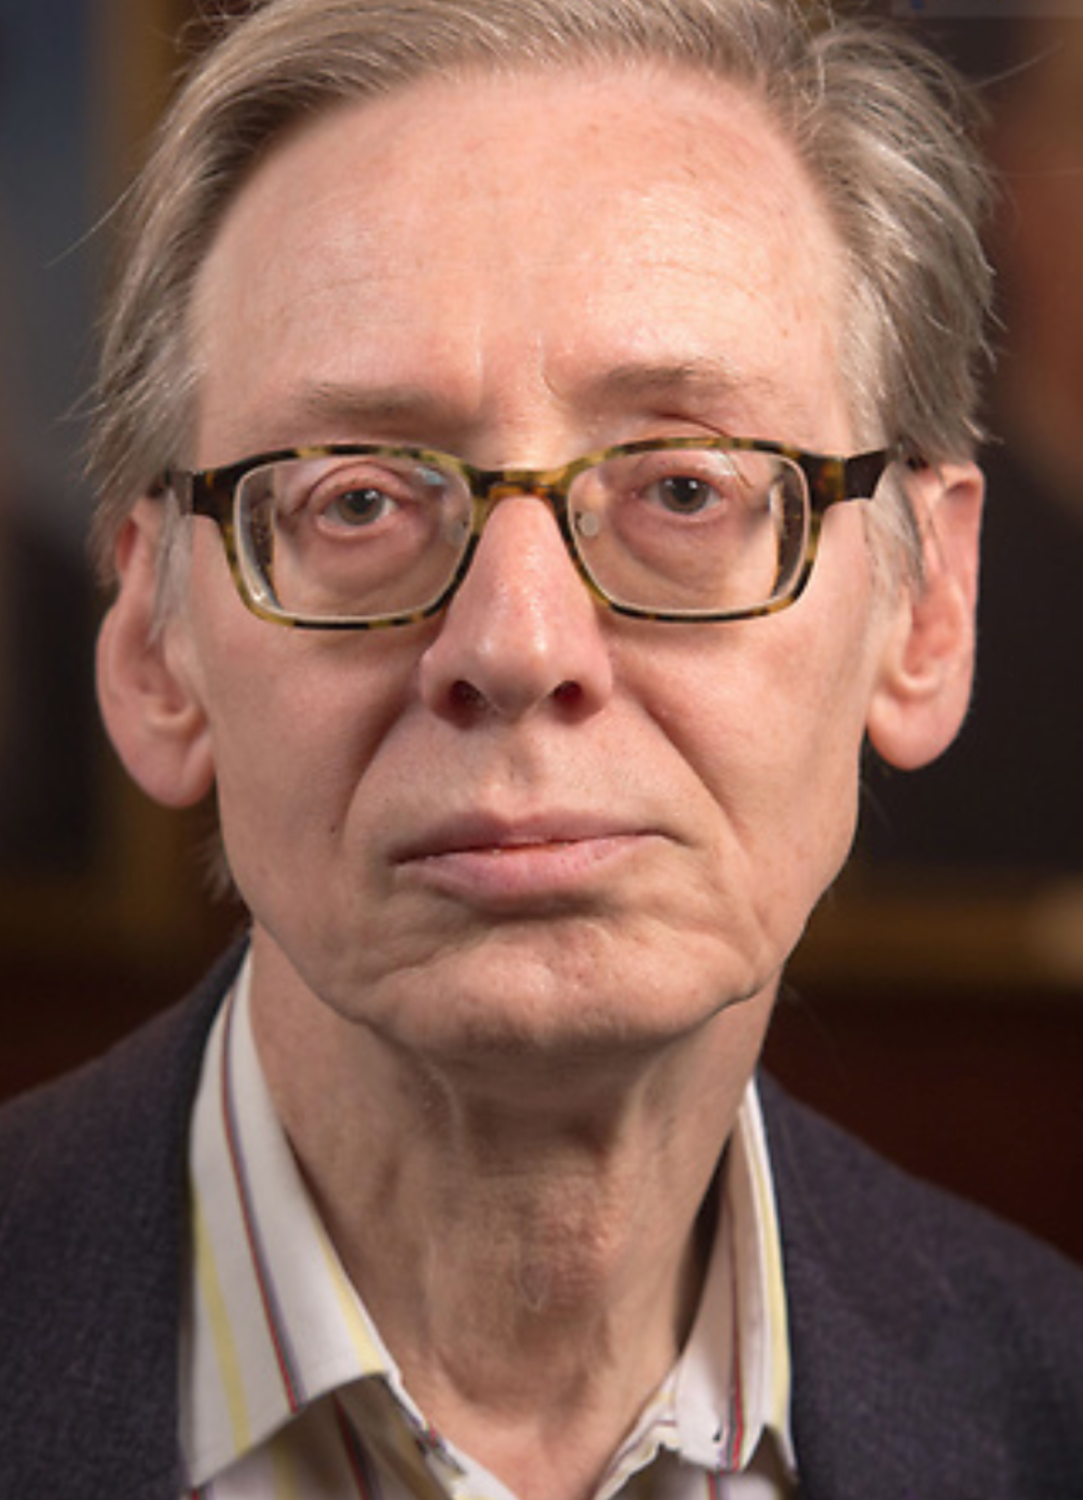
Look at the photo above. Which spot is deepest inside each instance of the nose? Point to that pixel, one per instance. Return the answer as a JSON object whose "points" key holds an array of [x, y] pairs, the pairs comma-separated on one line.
{"points": [[522, 633]]}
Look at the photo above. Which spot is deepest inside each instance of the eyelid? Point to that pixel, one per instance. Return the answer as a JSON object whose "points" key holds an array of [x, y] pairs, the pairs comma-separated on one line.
{"points": [[337, 474], [711, 468]]}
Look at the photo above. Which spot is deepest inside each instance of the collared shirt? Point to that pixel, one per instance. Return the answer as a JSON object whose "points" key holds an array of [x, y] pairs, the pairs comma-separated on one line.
{"points": [[286, 1389]]}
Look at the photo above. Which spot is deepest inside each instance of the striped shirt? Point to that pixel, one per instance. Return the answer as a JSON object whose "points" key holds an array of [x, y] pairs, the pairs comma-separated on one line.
{"points": [[288, 1393]]}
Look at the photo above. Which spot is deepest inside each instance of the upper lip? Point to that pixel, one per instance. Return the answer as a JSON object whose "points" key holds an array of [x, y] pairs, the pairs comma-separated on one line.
{"points": [[480, 831]]}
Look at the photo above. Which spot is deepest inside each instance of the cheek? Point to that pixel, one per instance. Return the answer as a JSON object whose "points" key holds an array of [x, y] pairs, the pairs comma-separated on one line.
{"points": [[775, 742], [295, 723]]}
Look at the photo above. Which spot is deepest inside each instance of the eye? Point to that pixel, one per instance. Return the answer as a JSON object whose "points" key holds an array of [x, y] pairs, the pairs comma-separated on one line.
{"points": [[357, 507], [684, 494], [369, 493], [692, 483]]}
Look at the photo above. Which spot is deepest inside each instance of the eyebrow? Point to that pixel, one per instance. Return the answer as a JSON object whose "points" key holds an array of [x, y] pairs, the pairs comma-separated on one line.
{"points": [[700, 386], [350, 406], [712, 376]]}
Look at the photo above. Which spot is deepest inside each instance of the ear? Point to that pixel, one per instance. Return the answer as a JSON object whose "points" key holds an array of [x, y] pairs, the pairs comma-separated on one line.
{"points": [[148, 686], [927, 667]]}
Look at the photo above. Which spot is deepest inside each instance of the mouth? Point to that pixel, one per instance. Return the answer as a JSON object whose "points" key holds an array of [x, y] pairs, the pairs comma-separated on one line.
{"points": [[493, 861]]}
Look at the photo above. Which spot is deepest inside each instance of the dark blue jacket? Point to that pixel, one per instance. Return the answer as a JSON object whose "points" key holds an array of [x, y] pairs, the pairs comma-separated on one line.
{"points": [[937, 1354]]}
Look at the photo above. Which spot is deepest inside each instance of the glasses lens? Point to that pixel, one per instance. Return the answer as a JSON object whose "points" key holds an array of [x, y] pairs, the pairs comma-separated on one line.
{"points": [[692, 530], [351, 537]]}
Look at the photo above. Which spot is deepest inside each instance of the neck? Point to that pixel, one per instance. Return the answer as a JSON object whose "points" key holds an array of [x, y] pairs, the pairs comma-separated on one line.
{"points": [[532, 1249]]}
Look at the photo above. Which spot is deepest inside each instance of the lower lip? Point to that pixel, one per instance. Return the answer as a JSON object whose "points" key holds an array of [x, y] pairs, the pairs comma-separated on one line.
{"points": [[517, 873]]}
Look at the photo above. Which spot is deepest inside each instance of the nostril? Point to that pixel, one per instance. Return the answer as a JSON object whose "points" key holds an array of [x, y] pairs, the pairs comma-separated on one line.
{"points": [[465, 695], [465, 698]]}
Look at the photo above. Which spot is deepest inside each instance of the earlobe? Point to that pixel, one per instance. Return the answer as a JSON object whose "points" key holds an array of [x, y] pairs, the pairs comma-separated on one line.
{"points": [[147, 685], [926, 671]]}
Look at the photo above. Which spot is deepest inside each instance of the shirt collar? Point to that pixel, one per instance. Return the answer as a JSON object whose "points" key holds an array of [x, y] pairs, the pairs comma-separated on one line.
{"points": [[272, 1322], [732, 1382], [730, 1388]]}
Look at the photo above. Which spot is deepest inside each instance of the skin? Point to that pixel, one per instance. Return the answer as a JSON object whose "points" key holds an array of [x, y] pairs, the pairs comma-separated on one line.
{"points": [[523, 879]]}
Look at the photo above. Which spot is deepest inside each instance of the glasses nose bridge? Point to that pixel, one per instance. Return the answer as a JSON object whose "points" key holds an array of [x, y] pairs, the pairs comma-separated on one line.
{"points": [[490, 487]]}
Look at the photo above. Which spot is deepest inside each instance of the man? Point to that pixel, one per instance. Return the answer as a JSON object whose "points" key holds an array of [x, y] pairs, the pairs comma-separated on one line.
{"points": [[456, 443]]}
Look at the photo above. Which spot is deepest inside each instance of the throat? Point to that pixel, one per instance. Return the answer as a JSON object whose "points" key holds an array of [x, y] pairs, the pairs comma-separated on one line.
{"points": [[536, 1287]]}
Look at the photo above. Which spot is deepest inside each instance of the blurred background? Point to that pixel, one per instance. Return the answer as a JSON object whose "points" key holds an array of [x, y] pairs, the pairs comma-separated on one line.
{"points": [[937, 1004]]}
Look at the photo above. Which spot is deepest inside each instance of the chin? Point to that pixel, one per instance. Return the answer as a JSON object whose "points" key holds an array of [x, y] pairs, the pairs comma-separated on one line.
{"points": [[562, 1009]]}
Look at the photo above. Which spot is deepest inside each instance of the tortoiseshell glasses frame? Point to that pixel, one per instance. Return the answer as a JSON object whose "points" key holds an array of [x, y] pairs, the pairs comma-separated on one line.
{"points": [[663, 530]]}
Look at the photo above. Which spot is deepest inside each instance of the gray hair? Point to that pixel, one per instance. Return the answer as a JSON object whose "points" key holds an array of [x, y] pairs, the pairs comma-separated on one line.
{"points": [[884, 130]]}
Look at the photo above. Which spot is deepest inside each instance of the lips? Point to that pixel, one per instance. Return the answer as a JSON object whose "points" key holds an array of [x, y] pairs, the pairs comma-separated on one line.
{"points": [[480, 832], [493, 859]]}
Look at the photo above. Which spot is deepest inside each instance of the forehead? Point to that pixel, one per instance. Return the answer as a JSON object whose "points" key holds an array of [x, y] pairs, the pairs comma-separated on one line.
{"points": [[481, 238]]}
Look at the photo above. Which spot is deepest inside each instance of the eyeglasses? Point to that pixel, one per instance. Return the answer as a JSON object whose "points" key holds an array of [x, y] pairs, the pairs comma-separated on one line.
{"points": [[359, 536]]}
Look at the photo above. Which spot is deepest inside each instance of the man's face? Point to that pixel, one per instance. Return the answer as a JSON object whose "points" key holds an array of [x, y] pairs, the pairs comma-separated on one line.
{"points": [[530, 820]]}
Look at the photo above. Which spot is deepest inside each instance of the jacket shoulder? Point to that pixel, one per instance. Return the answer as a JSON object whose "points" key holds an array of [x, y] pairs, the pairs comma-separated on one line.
{"points": [[923, 1325], [93, 1199], [61, 1125]]}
